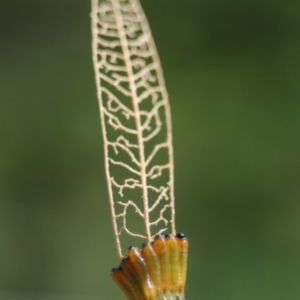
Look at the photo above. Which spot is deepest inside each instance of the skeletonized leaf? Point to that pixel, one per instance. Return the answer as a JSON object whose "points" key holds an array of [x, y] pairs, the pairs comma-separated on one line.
{"points": [[135, 119]]}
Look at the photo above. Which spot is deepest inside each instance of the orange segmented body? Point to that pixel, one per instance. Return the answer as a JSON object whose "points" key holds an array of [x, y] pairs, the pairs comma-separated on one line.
{"points": [[131, 273], [141, 270], [157, 271], [124, 283]]}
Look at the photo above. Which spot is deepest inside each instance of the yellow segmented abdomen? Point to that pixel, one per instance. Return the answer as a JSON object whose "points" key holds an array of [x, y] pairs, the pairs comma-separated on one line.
{"points": [[153, 266], [182, 243], [172, 249], [160, 248]]}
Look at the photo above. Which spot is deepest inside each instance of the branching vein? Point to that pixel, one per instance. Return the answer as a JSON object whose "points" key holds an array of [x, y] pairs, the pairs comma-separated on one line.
{"points": [[135, 119]]}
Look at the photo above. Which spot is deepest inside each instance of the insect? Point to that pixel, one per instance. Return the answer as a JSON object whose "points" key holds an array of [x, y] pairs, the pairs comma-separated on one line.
{"points": [[137, 133], [157, 271]]}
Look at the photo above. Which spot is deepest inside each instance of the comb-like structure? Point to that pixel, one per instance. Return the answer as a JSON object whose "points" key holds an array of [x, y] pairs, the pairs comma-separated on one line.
{"points": [[156, 272]]}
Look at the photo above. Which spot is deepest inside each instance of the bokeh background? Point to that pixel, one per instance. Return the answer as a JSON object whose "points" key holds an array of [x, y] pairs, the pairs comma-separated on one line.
{"points": [[233, 74]]}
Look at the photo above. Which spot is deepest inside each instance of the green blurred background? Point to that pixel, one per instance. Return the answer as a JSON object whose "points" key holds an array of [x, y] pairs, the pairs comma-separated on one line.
{"points": [[233, 74]]}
